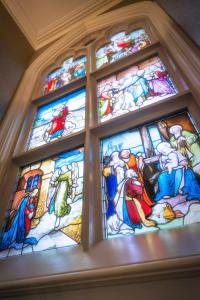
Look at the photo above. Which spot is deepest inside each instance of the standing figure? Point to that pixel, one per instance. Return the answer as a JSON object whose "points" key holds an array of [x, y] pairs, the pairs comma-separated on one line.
{"points": [[105, 102], [57, 125], [60, 192], [136, 164], [160, 83], [187, 143], [131, 207], [139, 88]]}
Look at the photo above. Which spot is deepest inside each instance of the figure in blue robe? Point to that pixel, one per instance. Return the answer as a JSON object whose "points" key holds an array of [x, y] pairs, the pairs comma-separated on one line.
{"points": [[14, 237], [176, 178], [111, 189]]}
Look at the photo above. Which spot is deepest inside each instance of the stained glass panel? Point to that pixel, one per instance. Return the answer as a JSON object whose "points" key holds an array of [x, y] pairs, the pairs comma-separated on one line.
{"points": [[71, 69], [151, 177], [121, 45], [47, 206], [133, 88], [57, 119]]}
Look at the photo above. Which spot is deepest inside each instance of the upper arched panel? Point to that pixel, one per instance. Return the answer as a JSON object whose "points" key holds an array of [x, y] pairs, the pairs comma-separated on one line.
{"points": [[70, 70], [122, 44]]}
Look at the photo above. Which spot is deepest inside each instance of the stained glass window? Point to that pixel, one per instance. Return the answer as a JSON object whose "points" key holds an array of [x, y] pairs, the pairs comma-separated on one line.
{"points": [[133, 88], [121, 45], [151, 177], [71, 69], [57, 119], [47, 206]]}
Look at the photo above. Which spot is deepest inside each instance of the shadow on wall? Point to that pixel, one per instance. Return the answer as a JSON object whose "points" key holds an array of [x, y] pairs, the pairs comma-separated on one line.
{"points": [[15, 54]]}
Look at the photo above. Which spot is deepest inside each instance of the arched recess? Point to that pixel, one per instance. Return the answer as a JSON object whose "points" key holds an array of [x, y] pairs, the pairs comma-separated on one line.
{"points": [[182, 51]]}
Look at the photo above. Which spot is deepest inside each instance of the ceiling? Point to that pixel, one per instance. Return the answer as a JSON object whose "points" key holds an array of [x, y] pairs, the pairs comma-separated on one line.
{"points": [[47, 20]]}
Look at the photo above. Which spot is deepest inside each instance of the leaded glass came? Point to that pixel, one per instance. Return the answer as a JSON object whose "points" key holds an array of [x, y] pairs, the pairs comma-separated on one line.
{"points": [[70, 70], [47, 206], [151, 177], [136, 87], [57, 119], [121, 45]]}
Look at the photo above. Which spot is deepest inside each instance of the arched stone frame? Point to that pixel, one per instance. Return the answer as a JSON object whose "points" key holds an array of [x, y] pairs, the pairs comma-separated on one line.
{"points": [[181, 51]]}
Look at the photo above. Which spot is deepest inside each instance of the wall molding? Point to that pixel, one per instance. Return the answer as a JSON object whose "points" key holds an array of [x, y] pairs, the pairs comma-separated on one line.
{"points": [[185, 267], [53, 31], [186, 58]]}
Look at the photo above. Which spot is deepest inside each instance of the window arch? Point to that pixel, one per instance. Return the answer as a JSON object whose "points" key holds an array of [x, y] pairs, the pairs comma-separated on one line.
{"points": [[71, 69], [95, 132]]}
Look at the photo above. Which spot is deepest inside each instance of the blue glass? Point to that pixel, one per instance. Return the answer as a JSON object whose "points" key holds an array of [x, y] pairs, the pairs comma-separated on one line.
{"points": [[151, 177]]}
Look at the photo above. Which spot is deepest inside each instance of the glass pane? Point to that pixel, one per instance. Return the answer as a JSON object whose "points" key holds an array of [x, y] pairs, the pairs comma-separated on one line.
{"points": [[121, 45], [48, 213], [57, 119], [148, 186], [138, 86], [70, 70]]}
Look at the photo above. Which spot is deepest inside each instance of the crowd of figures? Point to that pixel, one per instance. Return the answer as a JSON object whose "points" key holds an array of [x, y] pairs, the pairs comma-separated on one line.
{"points": [[69, 71], [146, 192], [121, 45], [131, 89]]}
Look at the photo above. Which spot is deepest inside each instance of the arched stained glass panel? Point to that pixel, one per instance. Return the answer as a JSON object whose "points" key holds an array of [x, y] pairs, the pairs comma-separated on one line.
{"points": [[151, 177], [137, 86], [121, 45], [71, 69], [48, 216], [57, 119]]}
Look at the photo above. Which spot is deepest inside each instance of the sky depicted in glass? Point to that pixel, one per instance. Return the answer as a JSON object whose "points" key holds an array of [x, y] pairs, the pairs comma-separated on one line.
{"points": [[47, 206], [151, 177], [57, 119], [71, 69]]}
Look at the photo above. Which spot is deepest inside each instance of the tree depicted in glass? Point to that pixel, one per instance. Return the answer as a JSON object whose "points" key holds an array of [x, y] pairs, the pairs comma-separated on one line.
{"points": [[57, 119], [151, 177], [136, 87], [47, 206], [121, 45], [70, 70]]}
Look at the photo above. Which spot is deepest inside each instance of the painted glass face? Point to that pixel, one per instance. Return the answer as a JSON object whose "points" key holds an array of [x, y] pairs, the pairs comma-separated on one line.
{"points": [[70, 70], [46, 209], [151, 177], [137, 86], [121, 45], [57, 119]]}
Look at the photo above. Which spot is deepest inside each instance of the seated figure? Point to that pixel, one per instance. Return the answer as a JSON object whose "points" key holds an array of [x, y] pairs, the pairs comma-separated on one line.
{"points": [[176, 177]]}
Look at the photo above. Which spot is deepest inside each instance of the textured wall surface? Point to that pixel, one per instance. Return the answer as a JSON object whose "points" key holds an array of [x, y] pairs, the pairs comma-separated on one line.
{"points": [[15, 54], [186, 14]]}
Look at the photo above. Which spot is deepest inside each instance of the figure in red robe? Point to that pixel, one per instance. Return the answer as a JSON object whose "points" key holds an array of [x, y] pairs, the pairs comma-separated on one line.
{"points": [[135, 209], [58, 124], [132, 163]]}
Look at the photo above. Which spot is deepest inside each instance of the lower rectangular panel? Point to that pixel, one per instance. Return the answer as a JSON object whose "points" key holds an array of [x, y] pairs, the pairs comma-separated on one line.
{"points": [[47, 206], [151, 177]]}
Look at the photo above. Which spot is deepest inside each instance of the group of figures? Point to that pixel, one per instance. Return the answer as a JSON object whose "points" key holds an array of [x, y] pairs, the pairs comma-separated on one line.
{"points": [[157, 187], [121, 45], [138, 86], [47, 206], [70, 70], [58, 119]]}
